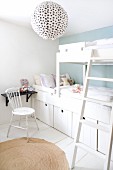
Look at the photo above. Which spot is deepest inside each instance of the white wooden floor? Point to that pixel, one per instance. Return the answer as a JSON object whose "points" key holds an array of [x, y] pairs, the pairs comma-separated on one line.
{"points": [[85, 161]]}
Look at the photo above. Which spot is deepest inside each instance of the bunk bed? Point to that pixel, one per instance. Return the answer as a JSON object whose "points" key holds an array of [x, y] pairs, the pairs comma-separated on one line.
{"points": [[64, 105]]}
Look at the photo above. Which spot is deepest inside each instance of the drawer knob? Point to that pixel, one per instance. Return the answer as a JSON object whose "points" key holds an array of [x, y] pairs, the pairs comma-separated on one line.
{"points": [[45, 104], [62, 111]]}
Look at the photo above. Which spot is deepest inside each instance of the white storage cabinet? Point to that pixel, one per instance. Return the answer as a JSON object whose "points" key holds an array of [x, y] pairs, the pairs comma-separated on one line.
{"points": [[88, 135], [63, 120], [44, 112]]}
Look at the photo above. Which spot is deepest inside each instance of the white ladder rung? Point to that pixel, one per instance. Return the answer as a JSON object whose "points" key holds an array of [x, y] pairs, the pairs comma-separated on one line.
{"points": [[94, 125], [98, 101], [100, 79], [88, 149]]}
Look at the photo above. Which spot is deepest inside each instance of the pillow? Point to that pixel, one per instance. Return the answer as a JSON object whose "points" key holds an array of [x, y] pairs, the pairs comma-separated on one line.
{"points": [[37, 80], [105, 41], [91, 43], [61, 76], [71, 81], [65, 82], [47, 80], [54, 78]]}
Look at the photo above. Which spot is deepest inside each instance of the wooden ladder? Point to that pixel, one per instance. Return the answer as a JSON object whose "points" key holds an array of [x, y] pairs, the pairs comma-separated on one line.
{"points": [[81, 120]]}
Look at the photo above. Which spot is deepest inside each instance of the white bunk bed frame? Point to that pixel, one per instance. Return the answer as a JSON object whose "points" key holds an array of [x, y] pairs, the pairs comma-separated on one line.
{"points": [[101, 56], [70, 58], [82, 56]]}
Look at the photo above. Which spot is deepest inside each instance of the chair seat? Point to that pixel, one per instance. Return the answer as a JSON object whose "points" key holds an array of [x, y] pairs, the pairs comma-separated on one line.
{"points": [[23, 111]]}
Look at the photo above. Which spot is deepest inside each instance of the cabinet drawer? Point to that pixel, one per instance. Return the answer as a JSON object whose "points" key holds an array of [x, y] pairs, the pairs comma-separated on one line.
{"points": [[62, 120], [44, 112], [45, 97], [98, 112], [88, 135]]}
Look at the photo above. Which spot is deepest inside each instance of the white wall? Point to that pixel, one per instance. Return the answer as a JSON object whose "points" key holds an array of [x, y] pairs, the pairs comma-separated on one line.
{"points": [[22, 54]]}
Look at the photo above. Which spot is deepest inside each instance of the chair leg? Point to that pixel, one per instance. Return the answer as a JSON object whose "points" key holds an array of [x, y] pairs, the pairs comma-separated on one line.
{"points": [[36, 121], [10, 125], [19, 120], [27, 128]]}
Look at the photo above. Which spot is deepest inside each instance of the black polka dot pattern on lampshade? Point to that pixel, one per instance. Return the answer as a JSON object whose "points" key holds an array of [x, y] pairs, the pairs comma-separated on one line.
{"points": [[49, 20]]}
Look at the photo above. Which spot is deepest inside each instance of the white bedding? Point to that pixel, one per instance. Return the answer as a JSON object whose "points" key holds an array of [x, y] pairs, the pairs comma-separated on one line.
{"points": [[105, 46], [100, 93], [44, 89]]}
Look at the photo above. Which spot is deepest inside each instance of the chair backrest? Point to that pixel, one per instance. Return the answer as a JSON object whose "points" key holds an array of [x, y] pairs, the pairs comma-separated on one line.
{"points": [[14, 98]]}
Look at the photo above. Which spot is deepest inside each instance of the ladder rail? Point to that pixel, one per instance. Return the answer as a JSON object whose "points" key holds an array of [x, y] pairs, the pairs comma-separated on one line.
{"points": [[81, 121], [109, 149]]}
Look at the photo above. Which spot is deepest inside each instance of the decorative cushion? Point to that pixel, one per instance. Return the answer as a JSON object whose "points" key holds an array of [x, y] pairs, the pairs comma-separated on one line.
{"points": [[91, 43], [50, 80], [61, 80], [54, 78], [47, 80], [65, 82], [63, 76], [37, 80]]}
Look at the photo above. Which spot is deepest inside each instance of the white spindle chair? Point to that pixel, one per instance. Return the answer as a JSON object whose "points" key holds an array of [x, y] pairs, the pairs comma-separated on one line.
{"points": [[14, 98]]}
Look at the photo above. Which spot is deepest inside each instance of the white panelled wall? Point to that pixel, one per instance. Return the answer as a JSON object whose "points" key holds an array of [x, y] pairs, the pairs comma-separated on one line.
{"points": [[22, 54]]}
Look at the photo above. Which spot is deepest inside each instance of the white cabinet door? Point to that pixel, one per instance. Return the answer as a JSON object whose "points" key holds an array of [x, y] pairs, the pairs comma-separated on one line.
{"points": [[44, 112], [88, 135], [62, 120], [103, 141]]}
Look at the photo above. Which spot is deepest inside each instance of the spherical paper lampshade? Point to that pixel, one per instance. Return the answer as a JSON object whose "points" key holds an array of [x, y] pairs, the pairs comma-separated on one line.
{"points": [[49, 20]]}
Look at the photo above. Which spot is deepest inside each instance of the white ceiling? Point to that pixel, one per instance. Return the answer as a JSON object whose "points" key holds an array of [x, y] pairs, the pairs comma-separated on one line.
{"points": [[84, 15]]}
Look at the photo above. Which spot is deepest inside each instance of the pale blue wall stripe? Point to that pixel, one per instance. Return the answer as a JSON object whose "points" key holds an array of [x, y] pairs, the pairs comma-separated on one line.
{"points": [[101, 33]]}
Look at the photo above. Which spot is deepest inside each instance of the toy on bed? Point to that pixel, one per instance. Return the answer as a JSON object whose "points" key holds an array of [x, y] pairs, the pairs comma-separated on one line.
{"points": [[76, 88]]}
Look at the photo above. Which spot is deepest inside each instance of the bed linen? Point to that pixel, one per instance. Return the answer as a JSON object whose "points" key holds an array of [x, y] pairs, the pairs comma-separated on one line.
{"points": [[100, 93], [44, 89]]}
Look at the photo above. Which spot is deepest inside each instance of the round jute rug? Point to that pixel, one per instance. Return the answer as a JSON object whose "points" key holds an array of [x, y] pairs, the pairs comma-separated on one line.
{"points": [[37, 154]]}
